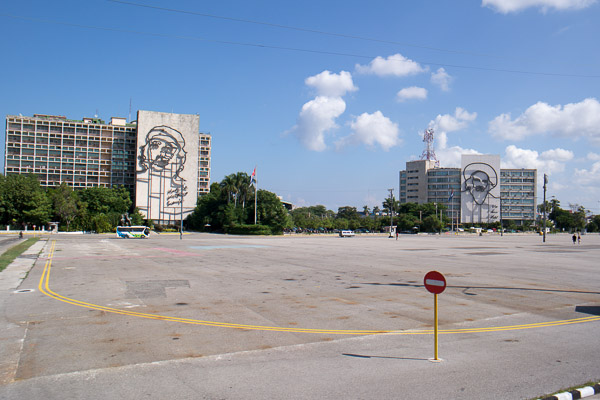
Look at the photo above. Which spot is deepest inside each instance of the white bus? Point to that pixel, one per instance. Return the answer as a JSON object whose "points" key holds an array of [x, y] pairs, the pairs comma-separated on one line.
{"points": [[140, 232]]}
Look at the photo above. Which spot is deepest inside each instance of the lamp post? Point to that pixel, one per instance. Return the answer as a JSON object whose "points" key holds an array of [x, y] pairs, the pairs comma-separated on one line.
{"points": [[181, 216], [391, 210], [501, 224]]}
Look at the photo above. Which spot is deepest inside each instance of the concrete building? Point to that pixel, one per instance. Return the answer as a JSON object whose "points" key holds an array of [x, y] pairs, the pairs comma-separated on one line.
{"points": [[474, 193], [82, 153], [92, 153]]}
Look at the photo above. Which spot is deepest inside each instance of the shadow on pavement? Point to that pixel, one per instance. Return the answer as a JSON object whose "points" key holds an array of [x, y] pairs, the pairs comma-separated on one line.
{"points": [[594, 310], [393, 358]]}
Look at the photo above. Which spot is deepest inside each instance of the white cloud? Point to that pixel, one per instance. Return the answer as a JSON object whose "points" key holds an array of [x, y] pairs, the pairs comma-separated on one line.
{"points": [[332, 85], [588, 176], [451, 157], [574, 120], [316, 118], [441, 79], [593, 157], [412, 92], [548, 162], [508, 6], [442, 124], [372, 129], [395, 65]]}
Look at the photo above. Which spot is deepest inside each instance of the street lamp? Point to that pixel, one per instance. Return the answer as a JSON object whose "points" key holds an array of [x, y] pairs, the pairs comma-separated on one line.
{"points": [[391, 210]]}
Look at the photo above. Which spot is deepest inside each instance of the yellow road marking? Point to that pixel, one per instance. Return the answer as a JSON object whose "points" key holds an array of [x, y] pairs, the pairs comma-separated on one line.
{"points": [[44, 287]]}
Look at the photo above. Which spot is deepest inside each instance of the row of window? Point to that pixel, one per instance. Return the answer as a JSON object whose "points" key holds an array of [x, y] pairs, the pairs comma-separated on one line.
{"points": [[444, 173], [517, 180], [516, 173], [453, 180]]}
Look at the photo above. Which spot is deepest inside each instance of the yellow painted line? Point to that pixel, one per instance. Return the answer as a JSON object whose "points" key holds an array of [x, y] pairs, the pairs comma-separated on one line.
{"points": [[44, 287]]}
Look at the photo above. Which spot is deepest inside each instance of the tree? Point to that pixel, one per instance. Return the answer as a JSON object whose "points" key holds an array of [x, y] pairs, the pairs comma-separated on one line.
{"points": [[65, 203], [407, 222], [206, 215], [23, 201], [216, 212], [431, 223], [567, 220], [391, 205], [348, 213], [271, 212], [594, 224], [106, 200]]}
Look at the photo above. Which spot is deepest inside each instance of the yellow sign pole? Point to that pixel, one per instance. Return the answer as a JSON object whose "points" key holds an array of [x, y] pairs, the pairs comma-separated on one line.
{"points": [[435, 326]]}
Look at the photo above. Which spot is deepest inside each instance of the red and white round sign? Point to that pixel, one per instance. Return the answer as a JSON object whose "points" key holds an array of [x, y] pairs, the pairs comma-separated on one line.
{"points": [[434, 282]]}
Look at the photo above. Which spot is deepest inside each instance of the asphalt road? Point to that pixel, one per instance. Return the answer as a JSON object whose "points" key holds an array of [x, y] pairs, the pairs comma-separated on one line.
{"points": [[226, 317]]}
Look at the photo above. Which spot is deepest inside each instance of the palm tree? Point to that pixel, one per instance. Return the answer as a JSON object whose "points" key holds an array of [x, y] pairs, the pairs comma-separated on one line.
{"points": [[228, 184], [366, 210], [242, 182]]}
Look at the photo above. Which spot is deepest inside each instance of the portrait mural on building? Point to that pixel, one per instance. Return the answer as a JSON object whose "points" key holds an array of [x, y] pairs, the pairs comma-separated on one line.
{"points": [[480, 187], [165, 175], [163, 156]]}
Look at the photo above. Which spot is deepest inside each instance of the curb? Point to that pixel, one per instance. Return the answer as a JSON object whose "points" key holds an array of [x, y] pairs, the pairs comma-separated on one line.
{"points": [[575, 394], [14, 274]]}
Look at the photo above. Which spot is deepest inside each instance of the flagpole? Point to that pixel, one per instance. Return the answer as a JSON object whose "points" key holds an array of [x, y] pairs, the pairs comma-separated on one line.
{"points": [[255, 194]]}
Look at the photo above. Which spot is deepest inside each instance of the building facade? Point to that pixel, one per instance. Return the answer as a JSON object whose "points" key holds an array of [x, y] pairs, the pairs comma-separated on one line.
{"points": [[479, 191], [82, 153], [91, 153]]}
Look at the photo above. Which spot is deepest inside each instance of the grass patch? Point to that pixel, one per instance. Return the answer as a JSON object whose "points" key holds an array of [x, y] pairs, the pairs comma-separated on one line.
{"points": [[15, 251]]}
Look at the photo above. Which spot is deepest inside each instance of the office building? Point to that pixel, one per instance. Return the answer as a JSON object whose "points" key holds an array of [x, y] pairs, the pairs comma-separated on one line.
{"points": [[474, 193], [161, 158]]}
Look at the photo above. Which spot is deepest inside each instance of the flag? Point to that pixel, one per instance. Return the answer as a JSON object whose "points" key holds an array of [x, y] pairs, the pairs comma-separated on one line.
{"points": [[451, 196], [253, 177]]}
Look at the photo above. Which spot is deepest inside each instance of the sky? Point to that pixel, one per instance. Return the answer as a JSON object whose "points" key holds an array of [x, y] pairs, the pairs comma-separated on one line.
{"points": [[328, 99]]}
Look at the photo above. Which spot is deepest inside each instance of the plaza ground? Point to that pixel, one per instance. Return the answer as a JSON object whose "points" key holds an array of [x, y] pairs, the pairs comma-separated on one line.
{"points": [[213, 316]]}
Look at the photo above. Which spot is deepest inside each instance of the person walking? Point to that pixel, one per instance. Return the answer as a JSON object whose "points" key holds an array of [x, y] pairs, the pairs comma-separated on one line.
{"points": [[578, 238], [574, 238]]}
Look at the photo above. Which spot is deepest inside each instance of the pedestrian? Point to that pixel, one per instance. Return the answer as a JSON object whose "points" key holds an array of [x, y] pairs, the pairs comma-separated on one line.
{"points": [[21, 235], [574, 238], [578, 238]]}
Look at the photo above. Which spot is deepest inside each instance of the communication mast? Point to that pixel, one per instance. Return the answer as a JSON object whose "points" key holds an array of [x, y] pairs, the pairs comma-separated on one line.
{"points": [[429, 153]]}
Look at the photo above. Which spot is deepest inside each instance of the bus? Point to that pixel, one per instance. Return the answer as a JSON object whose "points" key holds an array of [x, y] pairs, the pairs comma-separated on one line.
{"points": [[140, 232]]}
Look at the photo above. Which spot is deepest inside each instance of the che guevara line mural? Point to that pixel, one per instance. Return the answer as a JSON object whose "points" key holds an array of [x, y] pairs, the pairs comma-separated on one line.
{"points": [[166, 173]]}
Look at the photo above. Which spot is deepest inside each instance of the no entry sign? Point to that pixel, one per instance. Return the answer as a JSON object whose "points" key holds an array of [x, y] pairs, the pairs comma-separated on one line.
{"points": [[434, 282]]}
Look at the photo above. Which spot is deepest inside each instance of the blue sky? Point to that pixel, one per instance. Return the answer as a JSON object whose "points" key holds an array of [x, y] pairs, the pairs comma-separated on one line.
{"points": [[328, 99]]}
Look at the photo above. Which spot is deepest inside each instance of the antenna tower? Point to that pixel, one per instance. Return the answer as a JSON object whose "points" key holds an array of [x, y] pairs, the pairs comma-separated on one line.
{"points": [[429, 153]]}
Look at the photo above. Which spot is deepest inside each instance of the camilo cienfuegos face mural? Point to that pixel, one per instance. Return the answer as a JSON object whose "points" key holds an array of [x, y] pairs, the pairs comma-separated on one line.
{"points": [[166, 171], [480, 196]]}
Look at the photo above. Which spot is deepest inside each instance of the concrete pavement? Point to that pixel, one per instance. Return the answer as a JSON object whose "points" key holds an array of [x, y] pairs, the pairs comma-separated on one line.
{"points": [[156, 318]]}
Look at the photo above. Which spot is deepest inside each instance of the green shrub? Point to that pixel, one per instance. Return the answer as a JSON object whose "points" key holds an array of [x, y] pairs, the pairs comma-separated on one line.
{"points": [[249, 230]]}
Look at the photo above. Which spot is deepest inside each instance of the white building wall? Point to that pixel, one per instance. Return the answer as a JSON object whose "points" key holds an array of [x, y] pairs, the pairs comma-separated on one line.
{"points": [[167, 165]]}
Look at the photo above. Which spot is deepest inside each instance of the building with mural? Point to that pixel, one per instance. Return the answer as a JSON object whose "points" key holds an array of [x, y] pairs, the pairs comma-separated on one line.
{"points": [[161, 158], [477, 192]]}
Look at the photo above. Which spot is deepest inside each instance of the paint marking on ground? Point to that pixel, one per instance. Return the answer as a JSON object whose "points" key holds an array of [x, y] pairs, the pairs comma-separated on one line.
{"points": [[44, 287], [239, 246]]}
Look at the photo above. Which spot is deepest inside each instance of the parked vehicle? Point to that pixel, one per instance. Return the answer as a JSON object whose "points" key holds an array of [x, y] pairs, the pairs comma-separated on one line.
{"points": [[346, 233]]}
